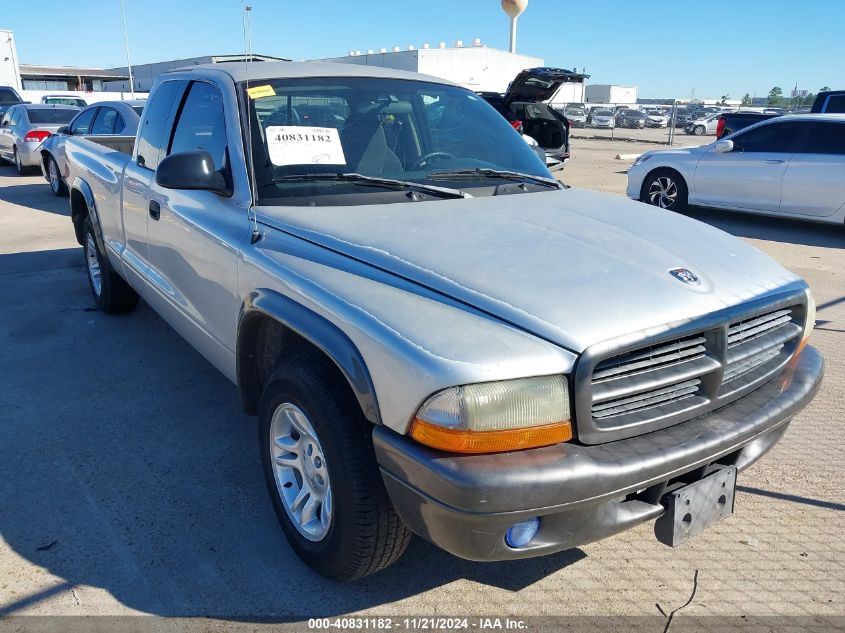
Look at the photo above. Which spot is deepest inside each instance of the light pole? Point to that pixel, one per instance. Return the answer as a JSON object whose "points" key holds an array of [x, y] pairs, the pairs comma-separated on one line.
{"points": [[126, 43]]}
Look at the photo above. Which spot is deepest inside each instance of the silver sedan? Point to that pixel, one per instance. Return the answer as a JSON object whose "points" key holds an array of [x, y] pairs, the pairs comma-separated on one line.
{"points": [[24, 127], [107, 118]]}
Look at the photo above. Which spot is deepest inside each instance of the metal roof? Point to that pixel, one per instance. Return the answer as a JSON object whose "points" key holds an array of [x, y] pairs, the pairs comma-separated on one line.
{"points": [[30, 70]]}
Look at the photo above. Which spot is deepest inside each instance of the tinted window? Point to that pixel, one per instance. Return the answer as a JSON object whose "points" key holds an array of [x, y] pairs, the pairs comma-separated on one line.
{"points": [[201, 124], [8, 96], [119, 124], [774, 137], [826, 138], [151, 132], [82, 123], [57, 116], [105, 121], [138, 109], [835, 104], [16, 116]]}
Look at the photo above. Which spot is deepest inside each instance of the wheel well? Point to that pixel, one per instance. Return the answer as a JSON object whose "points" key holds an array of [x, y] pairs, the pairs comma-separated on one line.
{"points": [[78, 212], [649, 175], [263, 342]]}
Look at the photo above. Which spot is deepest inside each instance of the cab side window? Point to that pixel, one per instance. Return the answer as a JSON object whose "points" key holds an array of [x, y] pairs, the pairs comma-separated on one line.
{"points": [[82, 123], [771, 138], [157, 115], [201, 124]]}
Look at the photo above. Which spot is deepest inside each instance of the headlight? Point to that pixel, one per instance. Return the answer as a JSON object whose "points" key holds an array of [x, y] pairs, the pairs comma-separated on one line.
{"points": [[641, 159], [496, 416], [810, 322]]}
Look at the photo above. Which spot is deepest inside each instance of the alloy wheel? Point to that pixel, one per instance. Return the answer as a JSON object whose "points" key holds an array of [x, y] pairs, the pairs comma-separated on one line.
{"points": [[301, 472], [663, 192], [53, 173], [94, 271]]}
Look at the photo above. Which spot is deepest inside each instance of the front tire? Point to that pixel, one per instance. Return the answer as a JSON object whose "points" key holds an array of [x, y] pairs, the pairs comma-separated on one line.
{"points": [[321, 472], [699, 130], [665, 188], [111, 293], [54, 176]]}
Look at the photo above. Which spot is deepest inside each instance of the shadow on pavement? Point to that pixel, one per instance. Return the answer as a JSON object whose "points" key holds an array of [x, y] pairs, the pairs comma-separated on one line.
{"points": [[32, 192], [773, 229], [126, 464], [39, 261]]}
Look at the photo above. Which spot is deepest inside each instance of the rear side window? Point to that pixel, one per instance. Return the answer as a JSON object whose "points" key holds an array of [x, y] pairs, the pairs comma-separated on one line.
{"points": [[82, 123], [16, 116], [201, 124], [157, 114], [8, 96], [772, 138], [826, 138], [835, 104], [105, 121]]}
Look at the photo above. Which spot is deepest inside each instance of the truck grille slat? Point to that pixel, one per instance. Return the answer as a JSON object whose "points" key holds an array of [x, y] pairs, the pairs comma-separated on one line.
{"points": [[647, 399], [668, 381]]}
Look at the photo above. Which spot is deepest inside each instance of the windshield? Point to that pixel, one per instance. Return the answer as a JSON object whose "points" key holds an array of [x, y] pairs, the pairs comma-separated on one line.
{"points": [[8, 96], [603, 113], [51, 115], [410, 131]]}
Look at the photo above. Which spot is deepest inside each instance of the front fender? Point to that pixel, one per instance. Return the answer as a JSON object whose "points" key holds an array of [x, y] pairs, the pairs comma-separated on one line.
{"points": [[311, 326]]}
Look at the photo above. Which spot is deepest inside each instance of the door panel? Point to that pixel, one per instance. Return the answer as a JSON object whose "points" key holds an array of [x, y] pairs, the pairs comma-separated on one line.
{"points": [[751, 176], [194, 245], [814, 184]]}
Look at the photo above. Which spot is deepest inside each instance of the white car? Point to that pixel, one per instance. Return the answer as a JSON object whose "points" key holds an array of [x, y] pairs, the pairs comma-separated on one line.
{"points": [[704, 125], [790, 166], [656, 118]]}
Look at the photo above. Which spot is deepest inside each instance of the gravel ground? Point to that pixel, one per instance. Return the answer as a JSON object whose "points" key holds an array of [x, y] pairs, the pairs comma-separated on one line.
{"points": [[130, 482]]}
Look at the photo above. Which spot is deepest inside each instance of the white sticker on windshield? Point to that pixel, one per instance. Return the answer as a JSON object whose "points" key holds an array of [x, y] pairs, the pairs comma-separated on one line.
{"points": [[299, 145]]}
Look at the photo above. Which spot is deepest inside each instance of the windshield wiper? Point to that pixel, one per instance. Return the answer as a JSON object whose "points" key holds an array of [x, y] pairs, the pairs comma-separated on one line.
{"points": [[443, 192], [495, 173]]}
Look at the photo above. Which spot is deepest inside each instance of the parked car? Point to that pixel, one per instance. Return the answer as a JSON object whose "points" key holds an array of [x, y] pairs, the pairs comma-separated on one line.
{"points": [[8, 97], [730, 122], [829, 101], [576, 115], [602, 118], [436, 335], [700, 126], [655, 117], [630, 118], [525, 97], [107, 118], [24, 127], [786, 166], [68, 100]]}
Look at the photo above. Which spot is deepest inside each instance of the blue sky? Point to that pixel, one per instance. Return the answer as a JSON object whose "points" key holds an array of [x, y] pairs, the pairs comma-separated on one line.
{"points": [[712, 48]]}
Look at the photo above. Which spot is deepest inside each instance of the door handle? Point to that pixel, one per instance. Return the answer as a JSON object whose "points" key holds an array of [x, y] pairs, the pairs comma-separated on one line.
{"points": [[155, 210], [775, 161]]}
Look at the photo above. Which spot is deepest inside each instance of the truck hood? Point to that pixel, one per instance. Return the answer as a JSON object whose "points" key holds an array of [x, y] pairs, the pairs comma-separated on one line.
{"points": [[574, 267]]}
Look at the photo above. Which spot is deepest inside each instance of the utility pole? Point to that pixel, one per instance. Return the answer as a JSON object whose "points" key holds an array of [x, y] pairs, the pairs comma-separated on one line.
{"points": [[126, 43]]}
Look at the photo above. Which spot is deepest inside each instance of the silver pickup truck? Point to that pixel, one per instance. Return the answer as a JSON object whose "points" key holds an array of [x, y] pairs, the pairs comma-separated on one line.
{"points": [[436, 336]]}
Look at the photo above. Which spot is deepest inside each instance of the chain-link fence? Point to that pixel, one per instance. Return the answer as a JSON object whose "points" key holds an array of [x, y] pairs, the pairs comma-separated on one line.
{"points": [[660, 124]]}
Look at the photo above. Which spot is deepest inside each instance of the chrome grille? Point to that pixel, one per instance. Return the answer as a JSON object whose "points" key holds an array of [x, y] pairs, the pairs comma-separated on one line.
{"points": [[665, 381]]}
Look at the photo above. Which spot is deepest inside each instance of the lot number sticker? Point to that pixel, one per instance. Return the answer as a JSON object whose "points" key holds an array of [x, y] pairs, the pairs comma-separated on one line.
{"points": [[299, 145]]}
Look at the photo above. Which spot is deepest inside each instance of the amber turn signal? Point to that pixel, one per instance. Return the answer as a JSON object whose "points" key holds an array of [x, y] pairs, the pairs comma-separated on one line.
{"points": [[465, 441]]}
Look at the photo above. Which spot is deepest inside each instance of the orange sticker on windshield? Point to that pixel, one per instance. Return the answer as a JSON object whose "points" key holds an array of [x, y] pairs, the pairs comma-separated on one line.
{"points": [[261, 91]]}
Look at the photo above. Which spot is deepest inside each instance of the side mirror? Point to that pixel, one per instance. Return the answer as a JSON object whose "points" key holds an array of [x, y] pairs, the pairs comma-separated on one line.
{"points": [[192, 171], [723, 146], [65, 129]]}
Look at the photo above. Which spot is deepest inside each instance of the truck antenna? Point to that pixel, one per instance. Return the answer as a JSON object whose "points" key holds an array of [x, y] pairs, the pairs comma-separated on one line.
{"points": [[256, 235]]}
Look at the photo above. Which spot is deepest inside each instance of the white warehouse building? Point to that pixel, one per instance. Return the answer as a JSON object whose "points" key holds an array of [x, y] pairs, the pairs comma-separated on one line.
{"points": [[476, 67], [609, 93]]}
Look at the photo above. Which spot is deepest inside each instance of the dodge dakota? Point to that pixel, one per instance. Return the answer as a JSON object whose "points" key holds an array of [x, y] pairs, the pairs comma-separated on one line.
{"points": [[437, 336]]}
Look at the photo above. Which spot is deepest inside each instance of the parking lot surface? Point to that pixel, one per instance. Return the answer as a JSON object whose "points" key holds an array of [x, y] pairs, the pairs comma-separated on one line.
{"points": [[130, 480]]}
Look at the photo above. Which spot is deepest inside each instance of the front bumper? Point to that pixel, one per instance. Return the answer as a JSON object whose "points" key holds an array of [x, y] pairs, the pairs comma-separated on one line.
{"points": [[465, 503]]}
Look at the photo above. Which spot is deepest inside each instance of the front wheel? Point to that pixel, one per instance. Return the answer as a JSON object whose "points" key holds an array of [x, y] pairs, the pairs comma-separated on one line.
{"points": [[699, 130], [665, 188], [322, 475], [111, 293]]}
